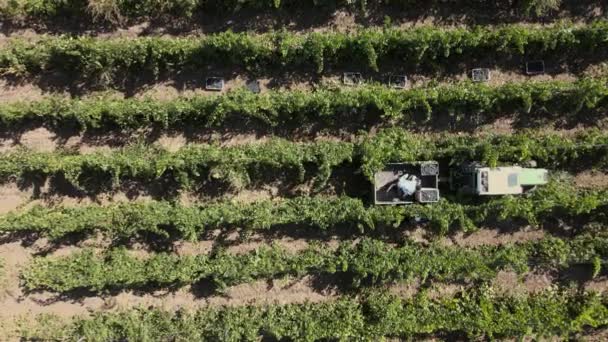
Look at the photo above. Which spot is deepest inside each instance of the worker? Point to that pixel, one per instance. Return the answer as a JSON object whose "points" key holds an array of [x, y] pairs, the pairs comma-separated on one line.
{"points": [[407, 185]]}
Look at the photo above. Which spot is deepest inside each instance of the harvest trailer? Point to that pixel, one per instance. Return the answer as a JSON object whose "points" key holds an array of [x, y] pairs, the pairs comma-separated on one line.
{"points": [[422, 176]]}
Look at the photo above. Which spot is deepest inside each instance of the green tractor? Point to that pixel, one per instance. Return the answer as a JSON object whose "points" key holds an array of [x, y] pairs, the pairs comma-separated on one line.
{"points": [[479, 180]]}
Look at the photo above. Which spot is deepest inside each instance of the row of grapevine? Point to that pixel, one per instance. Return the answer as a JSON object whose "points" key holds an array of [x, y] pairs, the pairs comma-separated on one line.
{"points": [[475, 315], [169, 220], [588, 149], [117, 11], [110, 60], [327, 106], [238, 166], [366, 262]]}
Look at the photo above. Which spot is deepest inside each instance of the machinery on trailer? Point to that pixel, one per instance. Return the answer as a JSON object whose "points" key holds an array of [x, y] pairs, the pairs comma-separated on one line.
{"points": [[418, 182], [406, 183]]}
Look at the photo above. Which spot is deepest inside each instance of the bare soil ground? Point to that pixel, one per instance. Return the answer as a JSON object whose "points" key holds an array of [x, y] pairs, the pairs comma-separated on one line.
{"points": [[193, 84], [41, 139], [494, 237], [592, 180], [12, 198]]}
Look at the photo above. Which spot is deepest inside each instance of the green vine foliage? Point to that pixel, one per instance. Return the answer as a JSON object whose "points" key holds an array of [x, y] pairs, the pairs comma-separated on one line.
{"points": [[479, 314], [234, 165], [589, 149], [366, 262], [115, 10], [238, 166], [105, 61], [326, 106], [175, 221]]}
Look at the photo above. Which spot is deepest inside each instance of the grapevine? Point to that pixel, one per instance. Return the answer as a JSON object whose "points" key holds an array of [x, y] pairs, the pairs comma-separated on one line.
{"points": [[367, 262], [327, 106]]}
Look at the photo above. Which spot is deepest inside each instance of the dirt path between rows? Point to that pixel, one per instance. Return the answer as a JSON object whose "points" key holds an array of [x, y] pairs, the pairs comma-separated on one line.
{"points": [[167, 90], [41, 139]]}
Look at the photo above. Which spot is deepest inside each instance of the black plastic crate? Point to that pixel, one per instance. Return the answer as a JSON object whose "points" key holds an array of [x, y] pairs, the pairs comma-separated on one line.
{"points": [[535, 67], [352, 78], [480, 74], [214, 83], [397, 81]]}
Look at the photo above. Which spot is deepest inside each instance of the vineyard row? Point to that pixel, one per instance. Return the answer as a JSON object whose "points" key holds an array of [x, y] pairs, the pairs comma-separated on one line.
{"points": [[118, 11], [473, 315], [105, 61], [332, 107], [364, 263], [238, 166], [169, 220]]}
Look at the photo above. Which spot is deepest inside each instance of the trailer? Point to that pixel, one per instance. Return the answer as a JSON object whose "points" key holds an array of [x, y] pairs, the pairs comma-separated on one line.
{"points": [[424, 176]]}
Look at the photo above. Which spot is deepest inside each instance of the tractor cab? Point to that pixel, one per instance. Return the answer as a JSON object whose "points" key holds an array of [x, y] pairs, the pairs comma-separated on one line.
{"points": [[508, 180]]}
